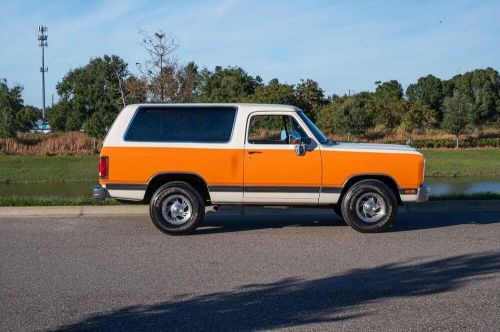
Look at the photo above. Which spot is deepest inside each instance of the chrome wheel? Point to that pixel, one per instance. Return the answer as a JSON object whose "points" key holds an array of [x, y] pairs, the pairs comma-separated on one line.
{"points": [[370, 207], [177, 209]]}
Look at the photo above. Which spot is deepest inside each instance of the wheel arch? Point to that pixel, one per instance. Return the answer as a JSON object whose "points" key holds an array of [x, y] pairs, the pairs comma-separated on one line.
{"points": [[385, 178], [195, 180]]}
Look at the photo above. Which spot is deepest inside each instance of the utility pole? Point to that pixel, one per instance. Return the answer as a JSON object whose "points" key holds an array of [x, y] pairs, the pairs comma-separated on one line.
{"points": [[42, 42]]}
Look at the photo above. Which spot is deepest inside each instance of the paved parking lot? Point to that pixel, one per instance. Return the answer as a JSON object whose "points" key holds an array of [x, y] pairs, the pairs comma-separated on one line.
{"points": [[432, 271]]}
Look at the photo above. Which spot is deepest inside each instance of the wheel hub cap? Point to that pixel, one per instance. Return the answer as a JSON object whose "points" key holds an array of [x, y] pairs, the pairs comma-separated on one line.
{"points": [[176, 209], [370, 207]]}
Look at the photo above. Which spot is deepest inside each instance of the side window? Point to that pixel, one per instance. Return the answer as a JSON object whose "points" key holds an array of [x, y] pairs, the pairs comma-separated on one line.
{"points": [[182, 124], [272, 129], [296, 127]]}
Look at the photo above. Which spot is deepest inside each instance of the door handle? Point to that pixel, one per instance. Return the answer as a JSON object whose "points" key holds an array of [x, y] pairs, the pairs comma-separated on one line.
{"points": [[253, 152]]}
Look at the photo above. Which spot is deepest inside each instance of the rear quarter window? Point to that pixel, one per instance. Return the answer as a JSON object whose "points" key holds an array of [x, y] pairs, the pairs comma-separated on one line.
{"points": [[182, 124]]}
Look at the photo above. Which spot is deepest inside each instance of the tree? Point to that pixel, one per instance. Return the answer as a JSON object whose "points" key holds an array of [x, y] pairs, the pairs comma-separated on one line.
{"points": [[26, 118], [388, 112], [160, 67], [458, 114], [273, 93], [482, 87], [98, 124], [94, 88], [391, 90], [418, 117], [136, 90], [187, 80], [226, 85], [346, 115], [388, 104], [429, 91], [11, 104], [57, 115], [310, 97]]}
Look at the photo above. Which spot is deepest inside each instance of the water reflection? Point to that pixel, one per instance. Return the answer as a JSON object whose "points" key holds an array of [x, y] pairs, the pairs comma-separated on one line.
{"points": [[467, 185]]}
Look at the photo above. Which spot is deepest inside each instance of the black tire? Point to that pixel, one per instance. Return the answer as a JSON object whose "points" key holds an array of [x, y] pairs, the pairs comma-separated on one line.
{"points": [[177, 191], [359, 193]]}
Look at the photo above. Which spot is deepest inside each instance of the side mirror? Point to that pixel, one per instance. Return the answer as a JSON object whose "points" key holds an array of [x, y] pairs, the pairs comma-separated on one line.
{"points": [[300, 143], [294, 138], [300, 150]]}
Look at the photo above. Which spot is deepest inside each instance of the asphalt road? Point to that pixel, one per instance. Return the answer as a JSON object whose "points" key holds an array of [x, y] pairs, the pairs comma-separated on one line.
{"points": [[432, 271]]}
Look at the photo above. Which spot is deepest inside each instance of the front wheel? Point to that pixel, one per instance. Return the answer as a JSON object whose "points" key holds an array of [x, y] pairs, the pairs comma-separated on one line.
{"points": [[177, 208], [369, 206]]}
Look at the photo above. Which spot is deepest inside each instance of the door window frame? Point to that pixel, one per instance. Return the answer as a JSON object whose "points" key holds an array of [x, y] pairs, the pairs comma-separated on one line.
{"points": [[295, 116]]}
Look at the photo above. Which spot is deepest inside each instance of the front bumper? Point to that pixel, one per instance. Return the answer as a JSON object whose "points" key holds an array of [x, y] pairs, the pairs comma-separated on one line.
{"points": [[423, 193], [100, 193]]}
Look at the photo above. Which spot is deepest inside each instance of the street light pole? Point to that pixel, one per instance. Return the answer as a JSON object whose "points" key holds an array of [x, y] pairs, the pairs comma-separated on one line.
{"points": [[42, 42]]}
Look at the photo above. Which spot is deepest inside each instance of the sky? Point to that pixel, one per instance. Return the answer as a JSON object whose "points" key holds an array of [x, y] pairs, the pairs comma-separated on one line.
{"points": [[343, 45]]}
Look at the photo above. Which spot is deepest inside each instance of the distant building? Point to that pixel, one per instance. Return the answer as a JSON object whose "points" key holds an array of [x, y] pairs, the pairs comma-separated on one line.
{"points": [[41, 127]]}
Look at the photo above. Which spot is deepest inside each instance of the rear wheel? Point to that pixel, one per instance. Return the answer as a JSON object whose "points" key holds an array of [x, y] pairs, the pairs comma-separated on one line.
{"points": [[177, 208], [369, 206]]}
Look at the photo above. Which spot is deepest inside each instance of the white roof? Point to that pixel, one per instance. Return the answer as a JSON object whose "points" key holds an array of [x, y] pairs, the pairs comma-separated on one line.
{"points": [[251, 107]]}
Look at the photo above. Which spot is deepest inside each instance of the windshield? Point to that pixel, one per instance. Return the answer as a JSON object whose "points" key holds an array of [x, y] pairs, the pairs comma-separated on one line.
{"points": [[315, 130]]}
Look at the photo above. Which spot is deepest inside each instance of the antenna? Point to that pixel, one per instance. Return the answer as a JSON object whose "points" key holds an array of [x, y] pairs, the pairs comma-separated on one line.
{"points": [[42, 42]]}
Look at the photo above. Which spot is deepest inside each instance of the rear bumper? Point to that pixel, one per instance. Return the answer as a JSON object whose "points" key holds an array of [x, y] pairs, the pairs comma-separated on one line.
{"points": [[423, 193], [99, 193]]}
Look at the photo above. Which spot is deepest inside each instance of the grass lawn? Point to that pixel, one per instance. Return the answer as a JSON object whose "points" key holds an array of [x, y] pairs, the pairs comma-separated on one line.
{"points": [[473, 162], [24, 169]]}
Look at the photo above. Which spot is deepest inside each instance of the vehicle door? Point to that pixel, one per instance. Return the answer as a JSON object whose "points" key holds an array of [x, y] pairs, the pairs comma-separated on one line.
{"points": [[281, 163]]}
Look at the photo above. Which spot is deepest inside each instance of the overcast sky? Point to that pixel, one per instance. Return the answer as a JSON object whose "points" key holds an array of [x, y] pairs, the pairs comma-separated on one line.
{"points": [[344, 45]]}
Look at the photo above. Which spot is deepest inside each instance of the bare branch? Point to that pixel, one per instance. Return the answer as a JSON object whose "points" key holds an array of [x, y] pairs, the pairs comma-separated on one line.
{"points": [[161, 62]]}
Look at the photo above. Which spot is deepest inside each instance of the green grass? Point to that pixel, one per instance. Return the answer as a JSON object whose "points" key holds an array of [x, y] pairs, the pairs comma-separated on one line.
{"points": [[473, 162], [29, 169], [28, 201]]}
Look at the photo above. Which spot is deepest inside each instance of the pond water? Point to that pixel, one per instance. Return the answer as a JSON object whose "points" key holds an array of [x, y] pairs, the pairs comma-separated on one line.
{"points": [[439, 185], [463, 185]]}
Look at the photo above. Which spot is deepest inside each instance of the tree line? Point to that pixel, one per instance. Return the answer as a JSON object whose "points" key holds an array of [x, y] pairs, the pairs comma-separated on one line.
{"points": [[91, 96]]}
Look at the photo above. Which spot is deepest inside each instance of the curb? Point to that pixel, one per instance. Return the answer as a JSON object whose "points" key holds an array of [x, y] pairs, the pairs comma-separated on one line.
{"points": [[143, 210], [73, 211]]}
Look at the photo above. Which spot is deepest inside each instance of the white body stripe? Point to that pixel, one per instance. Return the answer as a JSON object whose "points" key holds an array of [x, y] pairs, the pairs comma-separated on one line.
{"points": [[221, 197], [136, 195], [408, 198], [328, 198]]}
